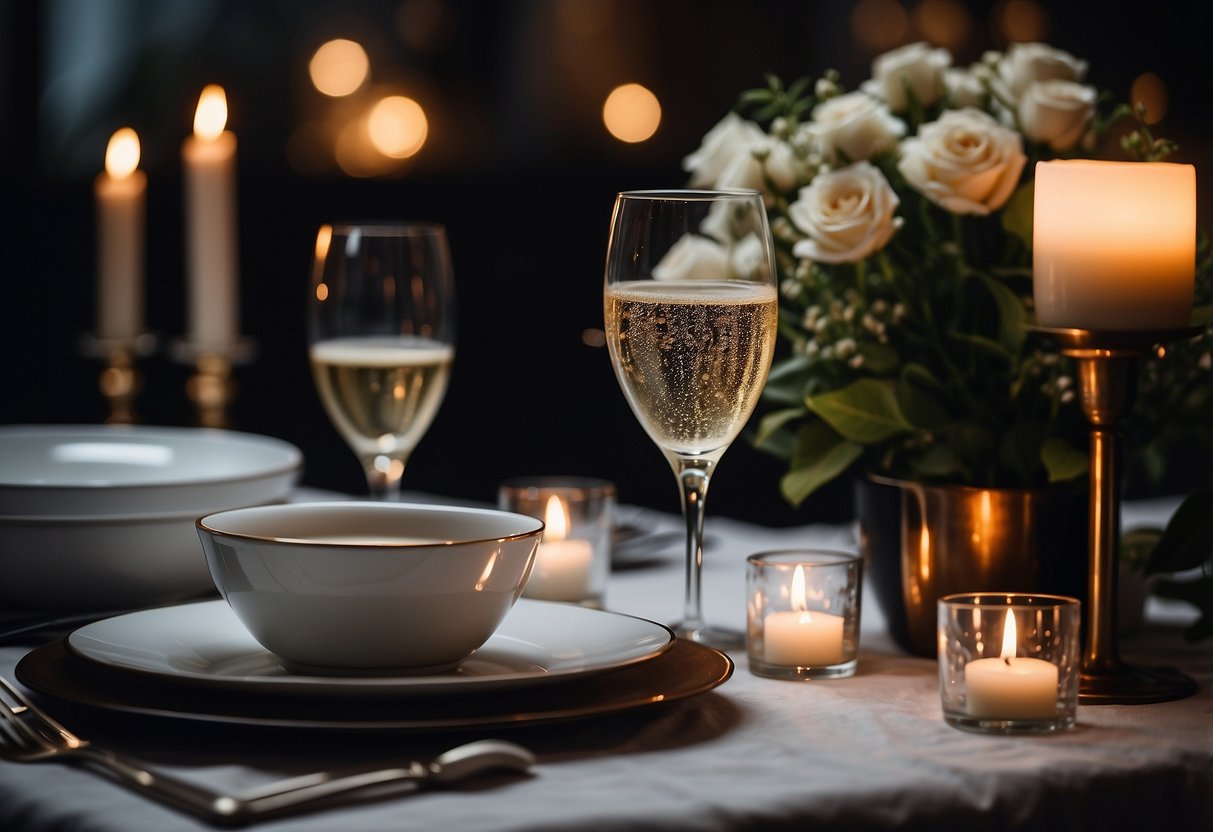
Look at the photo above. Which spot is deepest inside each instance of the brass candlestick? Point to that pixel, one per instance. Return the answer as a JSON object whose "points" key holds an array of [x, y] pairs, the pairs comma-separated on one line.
{"points": [[212, 388], [1107, 373], [121, 380]]}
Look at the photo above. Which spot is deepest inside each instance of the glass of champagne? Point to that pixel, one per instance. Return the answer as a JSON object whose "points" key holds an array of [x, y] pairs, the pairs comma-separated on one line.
{"points": [[691, 310], [381, 338]]}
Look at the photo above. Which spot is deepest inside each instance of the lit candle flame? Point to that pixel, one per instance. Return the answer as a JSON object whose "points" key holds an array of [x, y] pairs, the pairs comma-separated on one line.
{"points": [[556, 519], [122, 153], [799, 602], [211, 116], [1009, 637]]}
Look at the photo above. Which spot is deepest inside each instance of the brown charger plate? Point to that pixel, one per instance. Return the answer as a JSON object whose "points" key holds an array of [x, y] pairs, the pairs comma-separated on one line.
{"points": [[685, 670]]}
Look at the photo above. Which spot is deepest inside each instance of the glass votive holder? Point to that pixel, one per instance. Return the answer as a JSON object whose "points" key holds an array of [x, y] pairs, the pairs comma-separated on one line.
{"points": [[1008, 662], [802, 612], [573, 562]]}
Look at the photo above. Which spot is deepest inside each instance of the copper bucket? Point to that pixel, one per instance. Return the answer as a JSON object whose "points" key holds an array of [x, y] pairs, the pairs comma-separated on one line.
{"points": [[921, 542]]}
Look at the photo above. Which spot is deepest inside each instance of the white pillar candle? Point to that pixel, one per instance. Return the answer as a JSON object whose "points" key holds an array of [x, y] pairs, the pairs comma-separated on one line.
{"points": [[1114, 244], [800, 638], [562, 566], [1011, 687], [121, 193], [210, 188]]}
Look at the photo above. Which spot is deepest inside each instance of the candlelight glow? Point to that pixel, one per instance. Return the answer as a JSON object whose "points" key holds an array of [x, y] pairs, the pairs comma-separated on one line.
{"points": [[397, 126], [211, 116], [1009, 637], [1149, 89], [122, 153], [339, 67], [631, 113], [556, 519], [798, 593]]}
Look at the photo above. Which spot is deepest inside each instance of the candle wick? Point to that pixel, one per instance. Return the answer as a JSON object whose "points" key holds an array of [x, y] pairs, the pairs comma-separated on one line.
{"points": [[1007, 659]]}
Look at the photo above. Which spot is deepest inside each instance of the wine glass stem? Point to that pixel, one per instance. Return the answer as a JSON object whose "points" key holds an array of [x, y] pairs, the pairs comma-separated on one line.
{"points": [[383, 477], [693, 479]]}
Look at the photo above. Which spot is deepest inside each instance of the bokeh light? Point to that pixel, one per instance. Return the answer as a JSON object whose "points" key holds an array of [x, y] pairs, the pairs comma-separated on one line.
{"points": [[943, 22], [1149, 89], [879, 25], [631, 113], [397, 126], [339, 67], [1021, 21]]}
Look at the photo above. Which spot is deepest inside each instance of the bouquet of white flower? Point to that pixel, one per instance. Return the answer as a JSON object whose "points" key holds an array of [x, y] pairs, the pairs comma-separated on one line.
{"points": [[902, 215]]}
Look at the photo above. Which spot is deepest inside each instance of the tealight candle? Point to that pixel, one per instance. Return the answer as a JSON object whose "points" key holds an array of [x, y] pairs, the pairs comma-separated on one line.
{"points": [[209, 156], [574, 559], [1009, 663], [803, 614], [121, 192], [562, 566], [1114, 244], [1011, 687]]}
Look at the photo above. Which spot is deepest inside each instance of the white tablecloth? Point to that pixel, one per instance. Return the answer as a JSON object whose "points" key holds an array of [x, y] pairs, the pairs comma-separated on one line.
{"points": [[869, 752]]}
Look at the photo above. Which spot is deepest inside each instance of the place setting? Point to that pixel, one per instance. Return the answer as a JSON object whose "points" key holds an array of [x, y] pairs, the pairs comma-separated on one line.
{"points": [[932, 300]]}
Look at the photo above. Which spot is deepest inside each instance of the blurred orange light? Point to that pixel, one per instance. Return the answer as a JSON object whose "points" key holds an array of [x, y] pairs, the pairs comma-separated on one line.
{"points": [[339, 67], [122, 153], [631, 113], [397, 126], [1022, 21], [880, 24], [1149, 89], [943, 22], [211, 116]]}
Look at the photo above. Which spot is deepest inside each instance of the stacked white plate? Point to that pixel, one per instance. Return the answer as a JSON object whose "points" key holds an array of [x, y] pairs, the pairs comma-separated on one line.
{"points": [[99, 517]]}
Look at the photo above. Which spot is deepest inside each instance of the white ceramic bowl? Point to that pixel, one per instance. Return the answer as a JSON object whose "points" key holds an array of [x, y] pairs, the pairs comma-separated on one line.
{"points": [[96, 517], [134, 470], [359, 586]]}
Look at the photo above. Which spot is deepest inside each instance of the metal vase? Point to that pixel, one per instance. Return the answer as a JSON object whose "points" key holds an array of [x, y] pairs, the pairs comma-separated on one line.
{"points": [[921, 542]]}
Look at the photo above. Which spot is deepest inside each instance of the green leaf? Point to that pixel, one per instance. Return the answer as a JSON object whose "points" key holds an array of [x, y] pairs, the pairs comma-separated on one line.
{"points": [[973, 445], [772, 422], [1187, 541], [1012, 315], [1017, 214], [920, 376], [864, 411], [982, 344], [1203, 315], [1063, 461], [938, 461], [921, 408], [879, 359], [1021, 450], [786, 383], [821, 455]]}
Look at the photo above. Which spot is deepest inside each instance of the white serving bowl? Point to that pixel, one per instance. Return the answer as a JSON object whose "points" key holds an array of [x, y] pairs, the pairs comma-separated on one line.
{"points": [[359, 586], [96, 517]]}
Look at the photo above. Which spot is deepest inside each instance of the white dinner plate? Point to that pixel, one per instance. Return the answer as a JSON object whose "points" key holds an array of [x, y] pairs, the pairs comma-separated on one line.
{"points": [[204, 643]]}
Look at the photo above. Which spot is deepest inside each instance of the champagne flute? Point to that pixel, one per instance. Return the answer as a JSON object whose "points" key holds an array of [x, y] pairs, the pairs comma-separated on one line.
{"points": [[691, 312], [381, 338]]}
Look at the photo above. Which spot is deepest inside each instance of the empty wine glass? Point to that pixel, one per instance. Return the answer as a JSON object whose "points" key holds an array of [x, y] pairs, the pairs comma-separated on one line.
{"points": [[381, 335], [691, 311]]}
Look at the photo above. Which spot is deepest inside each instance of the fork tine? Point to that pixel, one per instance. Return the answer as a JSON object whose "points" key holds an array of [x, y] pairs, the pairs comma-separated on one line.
{"points": [[47, 726]]}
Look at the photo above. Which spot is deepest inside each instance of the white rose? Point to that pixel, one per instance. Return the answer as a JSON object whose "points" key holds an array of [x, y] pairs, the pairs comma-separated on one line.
{"points": [[748, 259], [965, 161], [766, 159], [848, 214], [965, 88], [1056, 112], [856, 125], [693, 258], [916, 65], [732, 137], [1025, 63]]}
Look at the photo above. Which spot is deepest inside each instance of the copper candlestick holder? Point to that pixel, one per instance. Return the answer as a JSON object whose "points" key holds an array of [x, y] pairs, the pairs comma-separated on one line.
{"points": [[1107, 373], [212, 388], [121, 380]]}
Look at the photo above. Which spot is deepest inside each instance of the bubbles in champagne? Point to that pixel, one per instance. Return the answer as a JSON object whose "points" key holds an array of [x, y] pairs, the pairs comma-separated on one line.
{"points": [[691, 356]]}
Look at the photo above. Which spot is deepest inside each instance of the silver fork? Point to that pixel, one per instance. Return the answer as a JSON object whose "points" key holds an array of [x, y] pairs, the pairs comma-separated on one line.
{"points": [[28, 734]]}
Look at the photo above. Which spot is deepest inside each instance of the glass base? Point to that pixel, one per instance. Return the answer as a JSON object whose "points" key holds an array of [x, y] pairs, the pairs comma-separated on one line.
{"points": [[718, 637], [803, 674], [988, 725], [1123, 684]]}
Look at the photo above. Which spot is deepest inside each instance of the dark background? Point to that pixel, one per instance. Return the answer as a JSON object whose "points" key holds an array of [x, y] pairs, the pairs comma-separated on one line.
{"points": [[517, 165]]}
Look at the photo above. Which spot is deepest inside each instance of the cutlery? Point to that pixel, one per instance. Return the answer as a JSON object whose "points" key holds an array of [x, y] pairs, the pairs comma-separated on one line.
{"points": [[27, 734]]}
